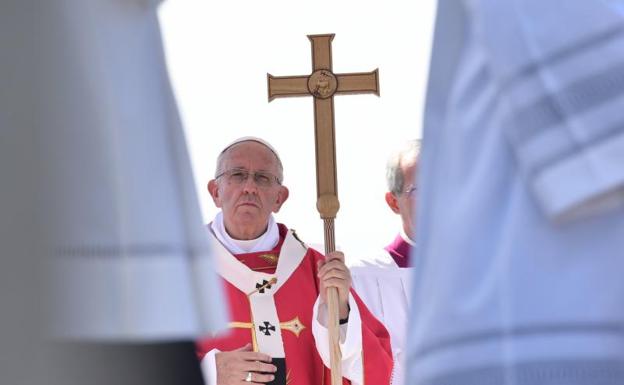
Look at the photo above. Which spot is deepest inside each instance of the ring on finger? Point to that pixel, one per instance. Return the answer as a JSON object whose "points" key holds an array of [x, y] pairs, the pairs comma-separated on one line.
{"points": [[248, 378]]}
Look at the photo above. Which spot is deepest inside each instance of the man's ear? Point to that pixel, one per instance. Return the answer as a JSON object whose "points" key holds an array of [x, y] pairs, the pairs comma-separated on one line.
{"points": [[282, 195], [392, 202], [213, 189]]}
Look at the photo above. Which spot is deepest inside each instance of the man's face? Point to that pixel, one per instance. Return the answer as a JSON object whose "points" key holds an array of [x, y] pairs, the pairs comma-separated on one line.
{"points": [[247, 206], [407, 201], [404, 204]]}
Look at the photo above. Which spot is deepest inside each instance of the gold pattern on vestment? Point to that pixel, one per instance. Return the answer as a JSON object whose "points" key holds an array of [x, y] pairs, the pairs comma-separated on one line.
{"points": [[270, 258], [246, 325], [262, 268], [294, 325], [241, 325]]}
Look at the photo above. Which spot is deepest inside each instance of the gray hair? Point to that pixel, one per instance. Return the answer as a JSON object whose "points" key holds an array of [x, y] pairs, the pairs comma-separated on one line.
{"points": [[221, 157], [394, 174]]}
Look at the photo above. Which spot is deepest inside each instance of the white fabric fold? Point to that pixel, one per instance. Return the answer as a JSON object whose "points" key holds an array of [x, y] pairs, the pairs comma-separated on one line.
{"points": [[563, 107], [594, 178]]}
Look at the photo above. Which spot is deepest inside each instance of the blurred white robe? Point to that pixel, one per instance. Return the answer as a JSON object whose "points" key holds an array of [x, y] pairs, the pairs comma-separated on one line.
{"points": [[96, 186], [122, 220], [521, 214], [384, 288]]}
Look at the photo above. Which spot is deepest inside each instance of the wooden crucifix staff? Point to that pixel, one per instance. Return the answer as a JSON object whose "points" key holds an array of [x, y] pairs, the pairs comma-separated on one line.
{"points": [[323, 84]]}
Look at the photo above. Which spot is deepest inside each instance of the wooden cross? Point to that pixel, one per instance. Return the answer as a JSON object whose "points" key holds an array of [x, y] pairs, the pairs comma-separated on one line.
{"points": [[323, 84]]}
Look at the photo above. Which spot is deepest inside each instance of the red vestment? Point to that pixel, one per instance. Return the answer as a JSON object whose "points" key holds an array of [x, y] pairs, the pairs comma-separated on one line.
{"points": [[294, 299]]}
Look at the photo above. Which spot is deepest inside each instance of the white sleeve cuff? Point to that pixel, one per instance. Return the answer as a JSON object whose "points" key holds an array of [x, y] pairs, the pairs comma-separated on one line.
{"points": [[586, 183], [209, 367]]}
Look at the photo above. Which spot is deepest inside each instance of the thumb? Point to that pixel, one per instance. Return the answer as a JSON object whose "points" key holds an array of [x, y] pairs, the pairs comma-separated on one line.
{"points": [[245, 348]]}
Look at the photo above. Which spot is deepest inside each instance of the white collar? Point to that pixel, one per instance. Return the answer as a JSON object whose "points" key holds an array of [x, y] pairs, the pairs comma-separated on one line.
{"points": [[266, 241], [406, 238]]}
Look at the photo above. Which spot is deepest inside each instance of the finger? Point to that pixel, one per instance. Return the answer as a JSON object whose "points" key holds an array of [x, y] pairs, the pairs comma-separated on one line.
{"points": [[343, 291], [334, 273], [340, 284], [257, 366], [322, 292], [334, 265], [258, 378], [255, 356], [339, 255], [245, 348]]}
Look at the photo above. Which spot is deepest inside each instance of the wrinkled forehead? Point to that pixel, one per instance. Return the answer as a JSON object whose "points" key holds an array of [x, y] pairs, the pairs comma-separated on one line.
{"points": [[250, 155]]}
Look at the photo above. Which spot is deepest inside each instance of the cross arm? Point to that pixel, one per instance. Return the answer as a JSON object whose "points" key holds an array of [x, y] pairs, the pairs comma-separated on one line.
{"points": [[279, 86], [356, 83]]}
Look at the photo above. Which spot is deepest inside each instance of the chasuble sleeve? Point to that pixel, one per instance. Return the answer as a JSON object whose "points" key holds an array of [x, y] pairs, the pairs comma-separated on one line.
{"points": [[564, 106]]}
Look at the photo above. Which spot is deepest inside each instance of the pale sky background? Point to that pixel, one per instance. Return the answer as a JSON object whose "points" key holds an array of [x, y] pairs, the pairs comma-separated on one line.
{"points": [[219, 54]]}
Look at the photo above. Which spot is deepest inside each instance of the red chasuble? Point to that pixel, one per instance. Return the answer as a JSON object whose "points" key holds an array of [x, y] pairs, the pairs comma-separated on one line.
{"points": [[271, 296]]}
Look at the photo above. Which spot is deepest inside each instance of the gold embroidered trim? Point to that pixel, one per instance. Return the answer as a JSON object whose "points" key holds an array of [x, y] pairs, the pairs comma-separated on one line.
{"points": [[270, 258], [247, 325], [294, 326], [241, 325]]}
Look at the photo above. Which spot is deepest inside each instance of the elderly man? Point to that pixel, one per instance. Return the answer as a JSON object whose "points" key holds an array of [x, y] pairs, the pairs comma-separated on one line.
{"points": [[382, 278], [276, 287], [401, 198]]}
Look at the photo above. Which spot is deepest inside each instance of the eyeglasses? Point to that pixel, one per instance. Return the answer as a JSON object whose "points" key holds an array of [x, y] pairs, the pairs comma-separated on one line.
{"points": [[238, 176]]}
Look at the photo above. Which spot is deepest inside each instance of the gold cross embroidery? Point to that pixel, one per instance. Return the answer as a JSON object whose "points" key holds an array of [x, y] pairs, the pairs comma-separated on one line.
{"points": [[294, 326]]}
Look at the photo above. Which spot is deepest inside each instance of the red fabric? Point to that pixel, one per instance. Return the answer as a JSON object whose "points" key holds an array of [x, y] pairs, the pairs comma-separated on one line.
{"points": [[295, 299]]}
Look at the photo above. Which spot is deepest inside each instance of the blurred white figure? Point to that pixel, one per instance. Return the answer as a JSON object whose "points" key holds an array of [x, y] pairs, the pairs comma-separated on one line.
{"points": [[97, 162], [521, 215], [126, 227]]}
